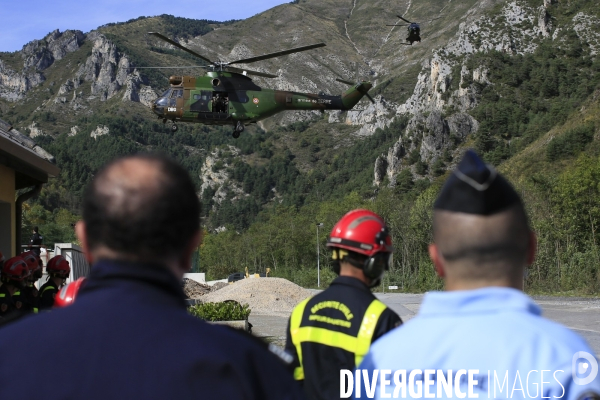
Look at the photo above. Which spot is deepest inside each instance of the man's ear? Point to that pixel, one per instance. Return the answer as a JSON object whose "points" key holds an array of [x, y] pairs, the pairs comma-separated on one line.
{"points": [[82, 236], [436, 258]]}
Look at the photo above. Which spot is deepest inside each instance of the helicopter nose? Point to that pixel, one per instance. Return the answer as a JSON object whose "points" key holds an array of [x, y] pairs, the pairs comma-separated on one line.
{"points": [[157, 109]]}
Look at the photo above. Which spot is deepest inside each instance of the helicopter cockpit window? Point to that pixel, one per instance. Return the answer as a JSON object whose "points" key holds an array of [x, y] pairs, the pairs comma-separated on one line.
{"points": [[177, 94], [163, 99]]}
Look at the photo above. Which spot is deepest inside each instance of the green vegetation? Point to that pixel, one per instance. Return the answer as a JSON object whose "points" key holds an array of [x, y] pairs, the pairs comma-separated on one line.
{"points": [[225, 311], [55, 226], [530, 94]]}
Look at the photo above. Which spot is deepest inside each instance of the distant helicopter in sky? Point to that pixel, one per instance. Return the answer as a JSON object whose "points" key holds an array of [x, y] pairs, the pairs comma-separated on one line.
{"points": [[414, 30]]}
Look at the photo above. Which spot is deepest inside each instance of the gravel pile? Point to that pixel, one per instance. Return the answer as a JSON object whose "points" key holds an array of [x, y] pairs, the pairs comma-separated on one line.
{"points": [[193, 289], [273, 296]]}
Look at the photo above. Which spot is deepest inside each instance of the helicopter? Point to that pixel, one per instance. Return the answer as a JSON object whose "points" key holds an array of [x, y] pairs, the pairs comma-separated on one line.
{"points": [[414, 30], [226, 95]]}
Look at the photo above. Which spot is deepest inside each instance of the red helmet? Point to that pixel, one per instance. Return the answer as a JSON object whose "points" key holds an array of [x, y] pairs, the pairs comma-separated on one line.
{"points": [[363, 232], [58, 266], [15, 269], [66, 296], [32, 261]]}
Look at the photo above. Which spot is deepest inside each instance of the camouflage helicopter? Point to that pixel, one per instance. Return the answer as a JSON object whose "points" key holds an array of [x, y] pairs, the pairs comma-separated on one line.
{"points": [[226, 95], [414, 30]]}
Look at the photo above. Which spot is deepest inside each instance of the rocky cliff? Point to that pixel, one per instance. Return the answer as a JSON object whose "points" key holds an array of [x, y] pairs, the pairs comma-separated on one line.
{"points": [[439, 105]]}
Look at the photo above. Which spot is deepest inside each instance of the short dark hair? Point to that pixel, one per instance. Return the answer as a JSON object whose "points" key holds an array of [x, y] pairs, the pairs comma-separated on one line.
{"points": [[486, 246], [36, 229], [145, 220]]}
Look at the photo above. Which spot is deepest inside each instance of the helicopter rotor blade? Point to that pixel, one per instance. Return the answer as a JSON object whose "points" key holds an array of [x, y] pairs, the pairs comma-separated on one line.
{"points": [[403, 19], [174, 43], [346, 82], [250, 72], [178, 66], [370, 98], [396, 25], [277, 54]]}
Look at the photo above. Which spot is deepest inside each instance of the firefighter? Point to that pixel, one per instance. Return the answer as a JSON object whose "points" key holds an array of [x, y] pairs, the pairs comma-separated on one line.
{"points": [[30, 294], [334, 329], [14, 273], [58, 271]]}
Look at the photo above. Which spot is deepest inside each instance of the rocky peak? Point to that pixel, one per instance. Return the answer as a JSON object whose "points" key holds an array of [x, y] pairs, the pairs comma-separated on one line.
{"points": [[40, 54]]}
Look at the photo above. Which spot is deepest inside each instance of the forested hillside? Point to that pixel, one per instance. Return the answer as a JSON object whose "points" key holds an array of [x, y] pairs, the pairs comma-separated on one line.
{"points": [[516, 80]]}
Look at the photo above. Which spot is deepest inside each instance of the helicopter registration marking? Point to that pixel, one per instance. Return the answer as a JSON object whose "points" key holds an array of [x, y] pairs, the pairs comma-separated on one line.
{"points": [[320, 101], [172, 109]]}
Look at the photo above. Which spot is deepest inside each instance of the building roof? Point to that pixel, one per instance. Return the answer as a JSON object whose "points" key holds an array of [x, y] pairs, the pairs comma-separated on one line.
{"points": [[32, 164]]}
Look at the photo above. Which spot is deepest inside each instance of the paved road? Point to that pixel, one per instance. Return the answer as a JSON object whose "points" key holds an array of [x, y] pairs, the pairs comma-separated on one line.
{"points": [[579, 314]]}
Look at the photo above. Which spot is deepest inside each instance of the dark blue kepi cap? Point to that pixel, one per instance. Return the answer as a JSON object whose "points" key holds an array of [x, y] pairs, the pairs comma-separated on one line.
{"points": [[476, 188]]}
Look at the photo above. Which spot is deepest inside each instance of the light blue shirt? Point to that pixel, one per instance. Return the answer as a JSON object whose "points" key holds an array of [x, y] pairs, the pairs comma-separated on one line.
{"points": [[497, 331]]}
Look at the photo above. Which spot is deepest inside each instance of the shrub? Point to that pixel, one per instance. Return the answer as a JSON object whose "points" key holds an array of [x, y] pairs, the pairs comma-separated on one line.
{"points": [[225, 311], [571, 143]]}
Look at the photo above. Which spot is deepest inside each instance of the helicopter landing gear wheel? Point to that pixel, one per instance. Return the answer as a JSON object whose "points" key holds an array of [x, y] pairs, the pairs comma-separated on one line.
{"points": [[174, 128], [235, 134]]}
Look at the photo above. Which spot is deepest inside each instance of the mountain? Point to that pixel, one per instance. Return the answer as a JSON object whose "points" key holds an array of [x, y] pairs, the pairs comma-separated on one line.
{"points": [[516, 79]]}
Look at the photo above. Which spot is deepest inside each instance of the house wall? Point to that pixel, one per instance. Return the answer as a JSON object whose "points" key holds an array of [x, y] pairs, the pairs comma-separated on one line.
{"points": [[7, 211]]}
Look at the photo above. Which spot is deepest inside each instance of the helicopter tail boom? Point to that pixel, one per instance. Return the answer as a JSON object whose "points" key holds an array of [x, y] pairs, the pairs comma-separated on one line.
{"points": [[353, 95]]}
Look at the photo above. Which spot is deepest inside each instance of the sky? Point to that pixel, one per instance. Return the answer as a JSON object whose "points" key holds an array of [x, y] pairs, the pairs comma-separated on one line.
{"points": [[27, 20]]}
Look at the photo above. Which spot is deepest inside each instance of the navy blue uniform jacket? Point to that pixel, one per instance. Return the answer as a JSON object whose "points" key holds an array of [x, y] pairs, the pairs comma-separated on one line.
{"points": [[128, 336]]}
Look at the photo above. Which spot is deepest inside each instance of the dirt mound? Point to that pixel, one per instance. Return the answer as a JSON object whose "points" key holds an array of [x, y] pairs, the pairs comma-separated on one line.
{"points": [[193, 289], [275, 296]]}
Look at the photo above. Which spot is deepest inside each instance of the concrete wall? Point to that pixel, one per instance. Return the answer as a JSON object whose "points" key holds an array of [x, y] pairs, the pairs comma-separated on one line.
{"points": [[7, 211], [196, 276]]}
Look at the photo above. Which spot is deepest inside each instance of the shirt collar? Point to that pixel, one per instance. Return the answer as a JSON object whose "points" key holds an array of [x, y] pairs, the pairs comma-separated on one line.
{"points": [[156, 275], [349, 281], [490, 299]]}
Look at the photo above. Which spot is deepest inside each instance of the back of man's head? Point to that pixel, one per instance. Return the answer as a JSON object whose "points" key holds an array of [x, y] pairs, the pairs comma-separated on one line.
{"points": [[142, 207], [480, 248], [480, 228]]}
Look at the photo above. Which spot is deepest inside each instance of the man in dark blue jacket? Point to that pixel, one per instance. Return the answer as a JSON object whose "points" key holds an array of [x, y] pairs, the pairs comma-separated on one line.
{"points": [[128, 335]]}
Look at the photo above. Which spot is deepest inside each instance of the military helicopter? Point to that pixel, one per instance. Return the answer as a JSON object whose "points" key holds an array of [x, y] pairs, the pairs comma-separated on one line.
{"points": [[226, 95], [414, 30]]}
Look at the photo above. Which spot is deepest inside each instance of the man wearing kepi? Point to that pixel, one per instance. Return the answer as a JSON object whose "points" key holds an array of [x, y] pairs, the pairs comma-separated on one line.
{"points": [[482, 337], [333, 330], [129, 335]]}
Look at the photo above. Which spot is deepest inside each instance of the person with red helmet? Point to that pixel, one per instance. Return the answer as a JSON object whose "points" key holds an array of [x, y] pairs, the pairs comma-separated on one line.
{"points": [[14, 274], [29, 295], [66, 296], [334, 329], [58, 271]]}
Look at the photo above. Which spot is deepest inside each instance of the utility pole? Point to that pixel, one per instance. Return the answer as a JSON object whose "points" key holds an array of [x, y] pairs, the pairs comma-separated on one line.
{"points": [[320, 224]]}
